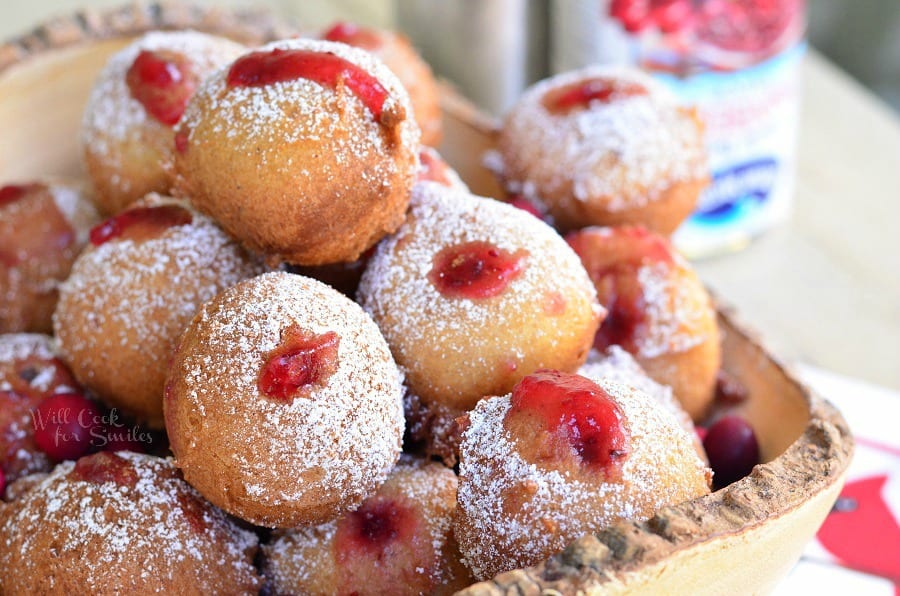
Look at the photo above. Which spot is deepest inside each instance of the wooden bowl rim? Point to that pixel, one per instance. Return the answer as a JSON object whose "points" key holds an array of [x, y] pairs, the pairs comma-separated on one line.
{"points": [[814, 462]]}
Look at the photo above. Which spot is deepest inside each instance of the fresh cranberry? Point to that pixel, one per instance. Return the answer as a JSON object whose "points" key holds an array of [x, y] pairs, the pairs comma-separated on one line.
{"points": [[578, 411], [140, 223], [162, 82], [104, 467], [596, 90], [65, 425], [354, 35], [12, 193], [732, 449], [301, 361], [258, 69], [374, 526], [475, 270], [633, 14], [671, 16]]}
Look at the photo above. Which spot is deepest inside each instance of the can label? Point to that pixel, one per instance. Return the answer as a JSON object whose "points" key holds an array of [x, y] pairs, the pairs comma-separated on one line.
{"points": [[738, 62]]}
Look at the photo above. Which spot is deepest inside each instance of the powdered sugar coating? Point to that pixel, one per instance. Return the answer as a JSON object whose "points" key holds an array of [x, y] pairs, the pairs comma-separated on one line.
{"points": [[113, 120], [126, 302], [275, 463], [309, 560], [18, 346], [623, 153], [69, 534], [265, 118], [514, 513], [424, 327], [673, 313], [615, 364], [296, 153]]}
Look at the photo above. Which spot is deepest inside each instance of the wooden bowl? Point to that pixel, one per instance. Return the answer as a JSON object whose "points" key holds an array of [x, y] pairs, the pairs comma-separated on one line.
{"points": [[740, 539]]}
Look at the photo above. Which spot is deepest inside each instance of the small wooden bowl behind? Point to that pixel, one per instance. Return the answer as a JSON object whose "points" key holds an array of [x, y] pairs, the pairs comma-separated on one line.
{"points": [[741, 539]]}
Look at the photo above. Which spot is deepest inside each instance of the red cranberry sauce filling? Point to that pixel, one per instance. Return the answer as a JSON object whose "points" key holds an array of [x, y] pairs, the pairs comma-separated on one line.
{"points": [[376, 525], [582, 94], [578, 411], [612, 258], [181, 140], [354, 35], [475, 270], [140, 223], [303, 360], [104, 467], [195, 512], [262, 68], [12, 193], [163, 82]]}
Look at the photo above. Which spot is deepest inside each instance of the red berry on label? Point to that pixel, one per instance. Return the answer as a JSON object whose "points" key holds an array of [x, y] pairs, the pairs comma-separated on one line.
{"points": [[633, 14], [475, 270], [262, 68], [732, 449], [162, 82], [65, 425], [302, 361], [140, 223], [672, 15]]}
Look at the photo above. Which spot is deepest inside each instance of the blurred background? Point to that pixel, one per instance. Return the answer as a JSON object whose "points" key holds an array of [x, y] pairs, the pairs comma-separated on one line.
{"points": [[863, 38]]}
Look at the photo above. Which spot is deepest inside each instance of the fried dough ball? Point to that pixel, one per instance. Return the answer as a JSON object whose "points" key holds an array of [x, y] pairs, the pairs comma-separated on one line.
{"points": [[121, 524], [562, 456], [304, 150], [283, 404], [658, 310], [43, 227], [605, 146], [473, 294], [133, 291], [399, 541], [127, 139]]}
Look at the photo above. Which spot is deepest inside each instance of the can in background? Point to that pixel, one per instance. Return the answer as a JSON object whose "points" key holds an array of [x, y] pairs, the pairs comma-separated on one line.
{"points": [[738, 61], [491, 49]]}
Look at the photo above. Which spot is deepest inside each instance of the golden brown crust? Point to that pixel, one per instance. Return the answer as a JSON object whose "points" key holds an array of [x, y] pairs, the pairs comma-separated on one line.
{"points": [[276, 462], [40, 236], [312, 179], [127, 302], [456, 350], [415, 555], [134, 527]]}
